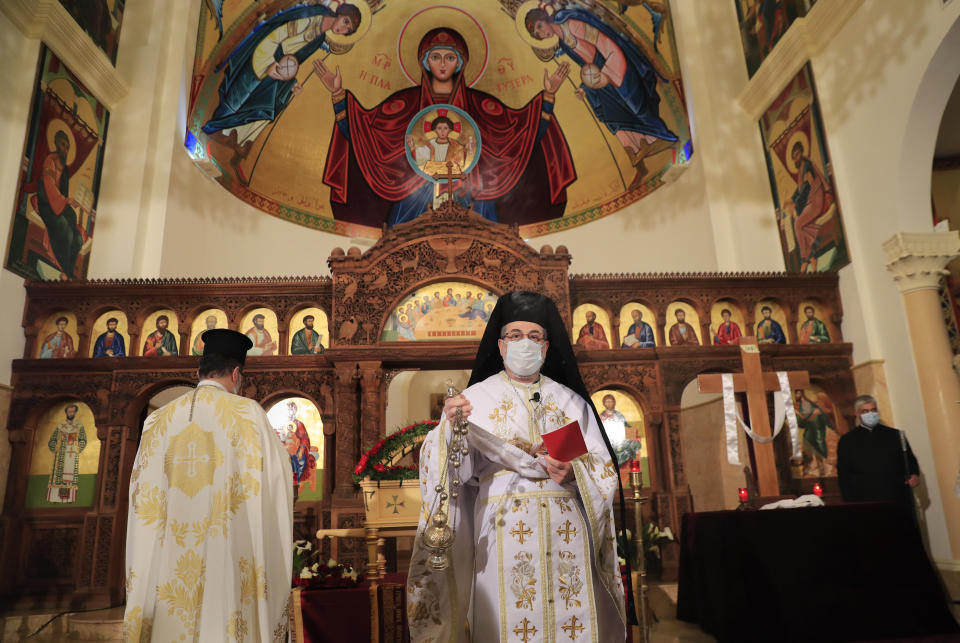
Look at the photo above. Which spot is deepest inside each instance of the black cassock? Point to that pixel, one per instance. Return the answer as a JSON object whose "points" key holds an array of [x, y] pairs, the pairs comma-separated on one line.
{"points": [[873, 466]]}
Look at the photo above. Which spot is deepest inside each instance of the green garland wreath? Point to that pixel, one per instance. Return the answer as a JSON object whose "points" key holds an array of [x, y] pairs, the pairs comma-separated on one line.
{"points": [[375, 463]]}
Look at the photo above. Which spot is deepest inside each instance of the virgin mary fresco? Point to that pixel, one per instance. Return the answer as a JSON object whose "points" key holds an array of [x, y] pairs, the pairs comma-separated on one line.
{"points": [[521, 176]]}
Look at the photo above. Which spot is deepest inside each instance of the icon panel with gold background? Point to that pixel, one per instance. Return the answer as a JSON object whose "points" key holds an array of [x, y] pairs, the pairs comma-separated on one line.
{"points": [[622, 420], [298, 425], [66, 457]]}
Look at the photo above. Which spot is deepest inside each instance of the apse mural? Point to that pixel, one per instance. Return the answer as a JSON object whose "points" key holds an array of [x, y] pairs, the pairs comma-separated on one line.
{"points": [[448, 310], [298, 425], [101, 19], [66, 455], [346, 115], [804, 192], [763, 23], [52, 230]]}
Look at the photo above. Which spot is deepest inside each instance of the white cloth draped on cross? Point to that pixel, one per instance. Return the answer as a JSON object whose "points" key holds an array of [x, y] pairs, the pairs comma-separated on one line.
{"points": [[783, 411]]}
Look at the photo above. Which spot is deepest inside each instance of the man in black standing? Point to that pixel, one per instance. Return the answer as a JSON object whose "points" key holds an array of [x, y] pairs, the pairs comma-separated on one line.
{"points": [[874, 461]]}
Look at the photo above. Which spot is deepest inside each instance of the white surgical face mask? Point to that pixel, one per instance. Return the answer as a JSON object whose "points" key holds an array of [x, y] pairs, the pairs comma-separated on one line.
{"points": [[870, 419], [524, 357]]}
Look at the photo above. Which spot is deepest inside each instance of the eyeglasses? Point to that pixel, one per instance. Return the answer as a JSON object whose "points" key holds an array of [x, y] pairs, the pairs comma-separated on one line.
{"points": [[516, 335]]}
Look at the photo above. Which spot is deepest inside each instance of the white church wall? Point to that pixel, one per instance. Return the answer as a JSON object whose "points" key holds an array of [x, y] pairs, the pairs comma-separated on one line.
{"points": [[871, 82]]}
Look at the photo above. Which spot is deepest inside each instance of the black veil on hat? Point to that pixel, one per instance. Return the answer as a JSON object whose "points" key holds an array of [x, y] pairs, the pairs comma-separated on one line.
{"points": [[559, 365]]}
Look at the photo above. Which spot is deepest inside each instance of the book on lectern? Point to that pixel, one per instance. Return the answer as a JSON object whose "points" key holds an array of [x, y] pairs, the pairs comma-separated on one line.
{"points": [[565, 443]]}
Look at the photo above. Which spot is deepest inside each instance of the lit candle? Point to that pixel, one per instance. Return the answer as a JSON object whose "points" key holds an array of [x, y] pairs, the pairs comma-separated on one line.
{"points": [[742, 494], [635, 466], [817, 490]]}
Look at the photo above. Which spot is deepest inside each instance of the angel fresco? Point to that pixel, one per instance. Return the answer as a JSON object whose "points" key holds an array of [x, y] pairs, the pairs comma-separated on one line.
{"points": [[617, 78], [521, 176], [260, 74]]}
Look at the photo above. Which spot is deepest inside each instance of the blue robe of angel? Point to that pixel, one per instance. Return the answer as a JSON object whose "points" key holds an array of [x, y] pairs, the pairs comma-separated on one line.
{"points": [[244, 98], [635, 105]]}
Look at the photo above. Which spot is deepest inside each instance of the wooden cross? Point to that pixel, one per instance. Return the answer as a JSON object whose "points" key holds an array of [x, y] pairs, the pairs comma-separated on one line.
{"points": [[573, 627], [567, 532], [755, 382], [520, 531], [449, 176], [528, 630]]}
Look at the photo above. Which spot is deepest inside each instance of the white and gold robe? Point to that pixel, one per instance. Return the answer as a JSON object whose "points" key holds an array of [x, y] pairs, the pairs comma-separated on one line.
{"points": [[210, 524], [532, 560]]}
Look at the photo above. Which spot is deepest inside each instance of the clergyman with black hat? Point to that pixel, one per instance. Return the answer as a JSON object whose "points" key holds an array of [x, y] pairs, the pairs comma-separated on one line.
{"points": [[533, 550], [210, 523]]}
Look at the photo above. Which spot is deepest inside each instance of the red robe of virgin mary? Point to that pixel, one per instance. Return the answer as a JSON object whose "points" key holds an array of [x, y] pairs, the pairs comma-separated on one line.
{"points": [[521, 177]]}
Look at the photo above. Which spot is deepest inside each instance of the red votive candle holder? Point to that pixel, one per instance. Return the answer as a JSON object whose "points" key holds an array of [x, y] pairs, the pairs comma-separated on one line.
{"points": [[742, 494], [634, 466], [817, 490]]}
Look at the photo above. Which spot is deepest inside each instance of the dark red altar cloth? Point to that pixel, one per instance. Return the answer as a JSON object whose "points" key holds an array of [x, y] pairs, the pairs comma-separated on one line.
{"points": [[854, 572], [343, 615]]}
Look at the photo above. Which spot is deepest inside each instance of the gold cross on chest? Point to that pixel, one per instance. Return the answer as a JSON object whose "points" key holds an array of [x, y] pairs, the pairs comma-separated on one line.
{"points": [[527, 631], [755, 382], [521, 531], [572, 627], [192, 459], [567, 532]]}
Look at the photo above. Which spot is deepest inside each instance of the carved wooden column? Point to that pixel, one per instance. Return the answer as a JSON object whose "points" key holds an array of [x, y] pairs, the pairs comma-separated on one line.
{"points": [[371, 375], [347, 451], [918, 262]]}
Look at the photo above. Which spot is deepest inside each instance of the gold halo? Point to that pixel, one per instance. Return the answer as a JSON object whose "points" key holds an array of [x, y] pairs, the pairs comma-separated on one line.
{"points": [[453, 18], [521, 18], [366, 17], [453, 116], [58, 125], [799, 135]]}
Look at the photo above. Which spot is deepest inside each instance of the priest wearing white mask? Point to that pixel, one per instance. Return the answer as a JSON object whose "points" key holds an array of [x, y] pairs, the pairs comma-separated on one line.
{"points": [[210, 524], [533, 557]]}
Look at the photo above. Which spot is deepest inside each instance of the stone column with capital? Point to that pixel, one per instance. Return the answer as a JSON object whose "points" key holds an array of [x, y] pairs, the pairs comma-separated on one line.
{"points": [[918, 262]]}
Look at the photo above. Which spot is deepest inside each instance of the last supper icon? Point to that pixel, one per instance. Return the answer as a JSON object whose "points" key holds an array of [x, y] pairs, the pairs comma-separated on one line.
{"points": [[443, 144]]}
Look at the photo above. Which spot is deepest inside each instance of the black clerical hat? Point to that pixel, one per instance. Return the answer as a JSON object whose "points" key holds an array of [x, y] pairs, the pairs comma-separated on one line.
{"points": [[227, 343]]}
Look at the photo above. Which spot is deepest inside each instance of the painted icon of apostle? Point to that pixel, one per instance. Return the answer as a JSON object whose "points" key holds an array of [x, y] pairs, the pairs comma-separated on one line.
{"points": [[58, 344], [728, 332], [58, 209], [263, 343], [66, 443], [307, 341], [197, 347], [813, 331], [681, 332], [160, 342], [639, 334], [298, 441], [768, 329], [814, 418], [110, 343], [614, 422], [811, 200], [521, 176], [592, 335]]}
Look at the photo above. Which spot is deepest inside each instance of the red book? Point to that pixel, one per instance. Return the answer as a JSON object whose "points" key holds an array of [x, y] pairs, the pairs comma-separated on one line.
{"points": [[565, 443]]}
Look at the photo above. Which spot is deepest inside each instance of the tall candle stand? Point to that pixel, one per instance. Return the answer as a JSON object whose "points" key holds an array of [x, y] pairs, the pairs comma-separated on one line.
{"points": [[636, 481]]}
